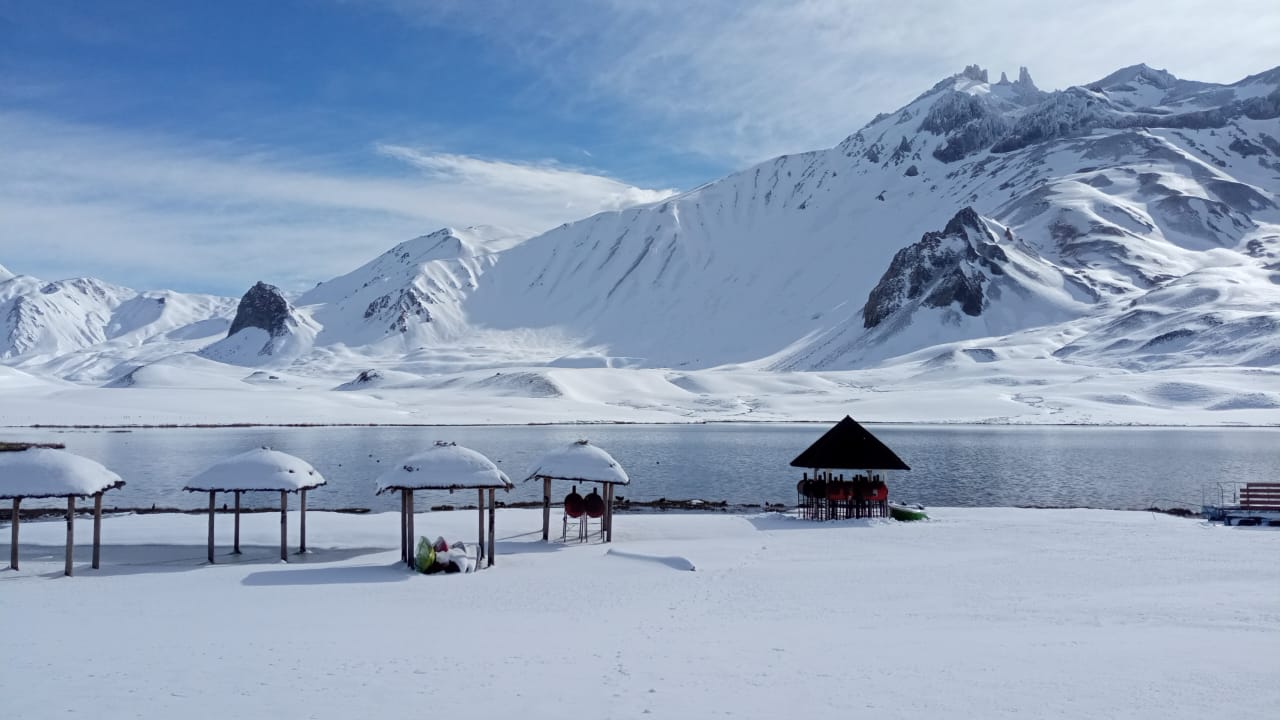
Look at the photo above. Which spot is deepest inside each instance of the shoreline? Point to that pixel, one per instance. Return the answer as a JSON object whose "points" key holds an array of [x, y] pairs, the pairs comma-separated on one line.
{"points": [[580, 423], [644, 507]]}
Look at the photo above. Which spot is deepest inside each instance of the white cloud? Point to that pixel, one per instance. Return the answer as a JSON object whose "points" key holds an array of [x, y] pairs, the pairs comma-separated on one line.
{"points": [[157, 210], [574, 190], [749, 80]]}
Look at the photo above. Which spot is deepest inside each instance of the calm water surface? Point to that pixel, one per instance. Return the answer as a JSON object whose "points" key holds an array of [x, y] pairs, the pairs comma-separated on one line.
{"points": [[951, 465]]}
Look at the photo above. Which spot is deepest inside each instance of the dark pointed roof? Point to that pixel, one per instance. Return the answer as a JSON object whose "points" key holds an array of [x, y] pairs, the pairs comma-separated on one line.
{"points": [[849, 446]]}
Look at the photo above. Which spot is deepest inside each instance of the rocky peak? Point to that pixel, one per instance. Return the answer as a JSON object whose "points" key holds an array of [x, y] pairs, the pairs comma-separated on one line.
{"points": [[5, 274], [976, 73], [264, 307], [942, 269]]}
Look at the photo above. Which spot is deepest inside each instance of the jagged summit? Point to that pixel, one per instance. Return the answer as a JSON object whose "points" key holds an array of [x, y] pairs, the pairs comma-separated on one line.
{"points": [[5, 274], [263, 307]]}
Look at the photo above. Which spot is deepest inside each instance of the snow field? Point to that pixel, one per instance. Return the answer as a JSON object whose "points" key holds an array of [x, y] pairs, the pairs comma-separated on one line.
{"points": [[977, 613]]}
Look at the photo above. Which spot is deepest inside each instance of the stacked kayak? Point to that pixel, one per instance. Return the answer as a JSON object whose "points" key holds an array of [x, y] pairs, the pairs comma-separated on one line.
{"points": [[907, 513]]}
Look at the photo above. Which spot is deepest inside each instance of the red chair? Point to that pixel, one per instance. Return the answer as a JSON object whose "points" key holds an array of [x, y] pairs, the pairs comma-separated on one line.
{"points": [[593, 504], [574, 507]]}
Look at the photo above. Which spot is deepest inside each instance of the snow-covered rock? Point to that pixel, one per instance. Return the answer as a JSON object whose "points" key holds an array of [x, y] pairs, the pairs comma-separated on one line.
{"points": [[266, 329]]}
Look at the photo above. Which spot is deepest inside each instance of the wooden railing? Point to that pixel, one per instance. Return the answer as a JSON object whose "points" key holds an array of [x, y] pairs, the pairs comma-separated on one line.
{"points": [[1260, 496]]}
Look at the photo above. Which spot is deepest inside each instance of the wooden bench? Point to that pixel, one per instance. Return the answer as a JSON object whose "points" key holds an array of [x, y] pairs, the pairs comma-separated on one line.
{"points": [[1260, 496]]}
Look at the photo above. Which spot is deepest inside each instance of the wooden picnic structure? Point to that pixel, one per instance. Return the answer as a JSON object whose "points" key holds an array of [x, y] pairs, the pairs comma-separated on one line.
{"points": [[579, 462], [445, 466], [259, 470], [830, 496], [30, 470]]}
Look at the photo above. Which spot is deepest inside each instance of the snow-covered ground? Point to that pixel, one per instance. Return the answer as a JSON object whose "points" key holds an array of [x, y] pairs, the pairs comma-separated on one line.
{"points": [[978, 613], [955, 385]]}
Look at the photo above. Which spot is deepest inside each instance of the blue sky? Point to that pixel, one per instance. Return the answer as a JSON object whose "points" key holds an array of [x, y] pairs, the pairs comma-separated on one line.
{"points": [[206, 145]]}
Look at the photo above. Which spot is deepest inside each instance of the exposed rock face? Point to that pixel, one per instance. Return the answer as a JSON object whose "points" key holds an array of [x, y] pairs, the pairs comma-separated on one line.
{"points": [[263, 307], [943, 267], [399, 309], [969, 122]]}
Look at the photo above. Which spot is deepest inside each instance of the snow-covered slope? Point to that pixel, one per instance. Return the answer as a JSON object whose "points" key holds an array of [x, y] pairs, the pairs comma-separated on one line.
{"points": [[411, 295], [1107, 191], [1128, 224], [83, 329]]}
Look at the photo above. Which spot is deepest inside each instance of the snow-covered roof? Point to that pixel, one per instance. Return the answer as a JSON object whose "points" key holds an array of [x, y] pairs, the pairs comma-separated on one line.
{"points": [[581, 462], [46, 473], [258, 469], [444, 466]]}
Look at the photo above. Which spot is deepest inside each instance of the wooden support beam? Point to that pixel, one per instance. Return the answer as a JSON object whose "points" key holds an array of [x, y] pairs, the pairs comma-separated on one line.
{"points": [[608, 512], [97, 529], [410, 560], [284, 526], [302, 525], [71, 531], [404, 524], [546, 508], [211, 509], [492, 505], [13, 535], [480, 541], [235, 549]]}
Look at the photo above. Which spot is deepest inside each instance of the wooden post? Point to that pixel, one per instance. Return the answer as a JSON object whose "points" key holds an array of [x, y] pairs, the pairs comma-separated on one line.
{"points": [[492, 505], [235, 549], [409, 558], [404, 525], [211, 497], [97, 529], [480, 542], [13, 532], [608, 512], [302, 525], [71, 531], [546, 508], [284, 526]]}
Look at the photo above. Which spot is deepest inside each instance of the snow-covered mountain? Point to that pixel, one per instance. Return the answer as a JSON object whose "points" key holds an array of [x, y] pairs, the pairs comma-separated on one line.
{"points": [[1132, 223], [411, 295], [1107, 191]]}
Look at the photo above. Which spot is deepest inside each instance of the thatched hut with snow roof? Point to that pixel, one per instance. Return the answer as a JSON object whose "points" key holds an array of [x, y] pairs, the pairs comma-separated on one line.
{"points": [[444, 466], [49, 471], [579, 462], [829, 496], [259, 470]]}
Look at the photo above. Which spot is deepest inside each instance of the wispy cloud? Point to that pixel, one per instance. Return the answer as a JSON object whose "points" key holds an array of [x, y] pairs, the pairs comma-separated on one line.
{"points": [[164, 210], [749, 80], [573, 190]]}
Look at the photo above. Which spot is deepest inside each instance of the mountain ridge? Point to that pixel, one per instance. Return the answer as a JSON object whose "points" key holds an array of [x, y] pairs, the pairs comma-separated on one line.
{"points": [[1027, 209]]}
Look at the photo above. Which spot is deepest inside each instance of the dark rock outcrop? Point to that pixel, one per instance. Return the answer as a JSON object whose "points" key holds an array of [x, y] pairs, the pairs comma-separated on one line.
{"points": [[398, 309], [264, 307], [944, 268]]}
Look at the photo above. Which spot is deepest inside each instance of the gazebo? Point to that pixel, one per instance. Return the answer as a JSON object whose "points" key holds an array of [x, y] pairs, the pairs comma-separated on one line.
{"points": [[49, 471], [577, 462], [444, 466], [259, 470], [827, 496]]}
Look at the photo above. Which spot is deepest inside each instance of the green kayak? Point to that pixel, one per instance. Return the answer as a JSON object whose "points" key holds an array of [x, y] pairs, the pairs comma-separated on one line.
{"points": [[907, 513]]}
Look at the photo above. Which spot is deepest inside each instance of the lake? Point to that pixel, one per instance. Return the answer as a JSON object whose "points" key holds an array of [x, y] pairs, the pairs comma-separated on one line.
{"points": [[1106, 467]]}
